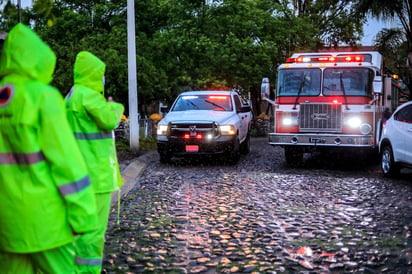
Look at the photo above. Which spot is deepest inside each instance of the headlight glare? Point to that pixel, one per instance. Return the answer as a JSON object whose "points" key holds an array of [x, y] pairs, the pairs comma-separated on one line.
{"points": [[290, 118], [227, 130], [287, 121], [354, 122], [161, 129]]}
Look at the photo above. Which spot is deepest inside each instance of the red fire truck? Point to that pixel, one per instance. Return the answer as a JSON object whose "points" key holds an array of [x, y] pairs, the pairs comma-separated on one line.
{"points": [[329, 100]]}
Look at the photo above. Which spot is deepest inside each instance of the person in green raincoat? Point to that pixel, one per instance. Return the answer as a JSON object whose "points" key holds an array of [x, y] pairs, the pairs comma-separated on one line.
{"points": [[93, 120], [45, 191]]}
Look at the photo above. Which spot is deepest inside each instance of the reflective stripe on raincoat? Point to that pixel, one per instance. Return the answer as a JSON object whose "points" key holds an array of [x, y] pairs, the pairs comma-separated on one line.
{"points": [[45, 191], [93, 120]]}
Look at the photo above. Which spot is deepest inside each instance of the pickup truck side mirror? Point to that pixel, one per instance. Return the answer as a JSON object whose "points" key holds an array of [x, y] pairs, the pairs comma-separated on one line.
{"points": [[164, 109], [245, 109]]}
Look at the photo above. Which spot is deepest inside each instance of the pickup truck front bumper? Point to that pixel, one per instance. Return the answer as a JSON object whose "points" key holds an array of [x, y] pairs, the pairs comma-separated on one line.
{"points": [[179, 146]]}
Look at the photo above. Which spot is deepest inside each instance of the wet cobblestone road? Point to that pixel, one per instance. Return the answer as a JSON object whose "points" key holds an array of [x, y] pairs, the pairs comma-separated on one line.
{"points": [[331, 215]]}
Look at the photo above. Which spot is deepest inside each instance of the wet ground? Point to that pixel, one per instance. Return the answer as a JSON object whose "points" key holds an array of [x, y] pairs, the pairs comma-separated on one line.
{"points": [[332, 214]]}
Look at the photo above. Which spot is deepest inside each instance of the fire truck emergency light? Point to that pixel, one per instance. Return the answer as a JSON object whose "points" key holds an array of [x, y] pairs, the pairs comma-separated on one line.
{"points": [[330, 59]]}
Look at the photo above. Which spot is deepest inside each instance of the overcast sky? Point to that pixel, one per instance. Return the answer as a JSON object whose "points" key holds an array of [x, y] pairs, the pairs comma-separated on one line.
{"points": [[371, 28], [24, 3]]}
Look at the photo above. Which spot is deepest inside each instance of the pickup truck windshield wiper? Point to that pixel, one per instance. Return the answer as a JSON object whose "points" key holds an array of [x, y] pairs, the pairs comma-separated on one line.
{"points": [[193, 104], [216, 105], [342, 87]]}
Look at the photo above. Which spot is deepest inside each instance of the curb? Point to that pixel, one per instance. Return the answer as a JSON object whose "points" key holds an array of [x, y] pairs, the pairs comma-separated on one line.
{"points": [[131, 174]]}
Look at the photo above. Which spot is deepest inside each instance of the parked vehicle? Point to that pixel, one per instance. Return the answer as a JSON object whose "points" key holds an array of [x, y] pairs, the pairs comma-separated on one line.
{"points": [[205, 122], [395, 146], [329, 101]]}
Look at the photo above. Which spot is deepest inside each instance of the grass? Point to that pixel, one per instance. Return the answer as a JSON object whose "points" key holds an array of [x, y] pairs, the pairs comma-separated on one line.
{"points": [[147, 143], [144, 144]]}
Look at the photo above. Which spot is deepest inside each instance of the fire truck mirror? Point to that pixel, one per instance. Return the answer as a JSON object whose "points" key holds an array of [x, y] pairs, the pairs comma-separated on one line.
{"points": [[377, 85], [265, 88]]}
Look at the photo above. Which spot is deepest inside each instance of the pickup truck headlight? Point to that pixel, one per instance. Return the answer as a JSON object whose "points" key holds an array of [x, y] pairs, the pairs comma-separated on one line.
{"points": [[162, 130], [227, 130]]}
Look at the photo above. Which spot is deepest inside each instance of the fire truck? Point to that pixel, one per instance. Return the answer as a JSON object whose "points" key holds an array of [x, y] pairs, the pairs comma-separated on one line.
{"points": [[329, 101]]}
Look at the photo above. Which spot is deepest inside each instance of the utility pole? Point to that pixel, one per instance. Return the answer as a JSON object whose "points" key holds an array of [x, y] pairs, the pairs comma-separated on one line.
{"points": [[132, 75], [19, 9]]}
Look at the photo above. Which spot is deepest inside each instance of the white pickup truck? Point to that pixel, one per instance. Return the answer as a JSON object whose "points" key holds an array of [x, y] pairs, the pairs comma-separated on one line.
{"points": [[205, 122]]}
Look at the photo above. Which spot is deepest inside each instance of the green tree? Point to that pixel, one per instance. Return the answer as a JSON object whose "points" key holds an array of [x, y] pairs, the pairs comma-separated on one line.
{"points": [[392, 43], [399, 41], [98, 30], [337, 21]]}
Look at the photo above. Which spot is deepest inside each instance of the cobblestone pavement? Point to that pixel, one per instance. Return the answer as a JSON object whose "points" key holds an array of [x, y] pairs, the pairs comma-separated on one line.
{"points": [[331, 215]]}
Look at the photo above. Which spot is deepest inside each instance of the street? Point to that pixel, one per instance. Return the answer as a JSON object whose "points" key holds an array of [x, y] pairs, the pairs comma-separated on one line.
{"points": [[332, 214]]}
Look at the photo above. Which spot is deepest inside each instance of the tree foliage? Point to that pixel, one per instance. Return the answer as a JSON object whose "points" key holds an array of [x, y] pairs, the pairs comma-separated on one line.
{"points": [[187, 44], [395, 44]]}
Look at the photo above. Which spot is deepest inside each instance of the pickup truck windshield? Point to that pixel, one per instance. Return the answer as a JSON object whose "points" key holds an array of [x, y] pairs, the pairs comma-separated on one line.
{"points": [[203, 102]]}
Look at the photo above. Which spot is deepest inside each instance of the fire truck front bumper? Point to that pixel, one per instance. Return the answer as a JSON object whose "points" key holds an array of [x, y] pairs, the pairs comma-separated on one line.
{"points": [[322, 140]]}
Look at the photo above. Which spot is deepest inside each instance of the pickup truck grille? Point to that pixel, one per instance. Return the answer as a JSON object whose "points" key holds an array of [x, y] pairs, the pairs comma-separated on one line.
{"points": [[180, 129], [320, 117]]}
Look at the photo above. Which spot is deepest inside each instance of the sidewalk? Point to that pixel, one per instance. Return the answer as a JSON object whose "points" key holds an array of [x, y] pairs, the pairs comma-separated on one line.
{"points": [[132, 173]]}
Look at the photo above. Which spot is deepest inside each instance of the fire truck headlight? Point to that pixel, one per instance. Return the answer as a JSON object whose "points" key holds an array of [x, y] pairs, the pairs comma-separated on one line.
{"points": [[289, 119], [161, 129], [365, 128], [227, 130], [354, 122]]}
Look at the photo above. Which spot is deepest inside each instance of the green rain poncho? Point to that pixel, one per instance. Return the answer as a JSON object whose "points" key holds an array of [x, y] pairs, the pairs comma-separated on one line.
{"points": [[45, 191], [93, 120]]}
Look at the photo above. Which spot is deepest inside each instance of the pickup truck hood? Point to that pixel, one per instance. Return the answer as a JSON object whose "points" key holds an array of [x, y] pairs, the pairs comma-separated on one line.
{"points": [[221, 117]]}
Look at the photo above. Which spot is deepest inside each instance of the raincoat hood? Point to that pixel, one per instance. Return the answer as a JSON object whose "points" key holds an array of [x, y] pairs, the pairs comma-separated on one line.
{"points": [[89, 71], [24, 53]]}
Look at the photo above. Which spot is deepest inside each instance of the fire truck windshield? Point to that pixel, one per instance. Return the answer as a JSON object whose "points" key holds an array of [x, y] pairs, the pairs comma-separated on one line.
{"points": [[347, 82], [305, 82], [335, 81]]}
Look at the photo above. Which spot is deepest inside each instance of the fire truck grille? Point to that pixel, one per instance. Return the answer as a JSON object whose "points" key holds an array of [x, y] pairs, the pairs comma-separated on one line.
{"points": [[180, 129], [320, 117]]}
